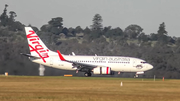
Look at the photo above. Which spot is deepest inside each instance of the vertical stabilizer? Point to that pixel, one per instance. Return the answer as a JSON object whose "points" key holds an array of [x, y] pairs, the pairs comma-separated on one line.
{"points": [[36, 46]]}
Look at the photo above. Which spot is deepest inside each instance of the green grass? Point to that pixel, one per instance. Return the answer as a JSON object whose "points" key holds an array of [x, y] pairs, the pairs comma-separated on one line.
{"points": [[58, 88]]}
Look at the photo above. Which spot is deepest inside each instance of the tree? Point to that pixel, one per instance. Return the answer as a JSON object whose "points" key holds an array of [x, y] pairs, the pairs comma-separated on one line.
{"points": [[106, 29], [113, 32], [65, 31], [16, 26], [97, 22], [56, 22], [78, 29], [133, 31], [162, 30], [11, 20], [143, 37], [12, 15], [87, 30], [162, 34], [56, 25], [45, 28], [34, 28], [154, 37], [72, 32], [4, 17]]}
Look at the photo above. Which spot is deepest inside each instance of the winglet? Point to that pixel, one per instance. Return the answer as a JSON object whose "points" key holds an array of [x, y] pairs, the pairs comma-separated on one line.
{"points": [[60, 56]]}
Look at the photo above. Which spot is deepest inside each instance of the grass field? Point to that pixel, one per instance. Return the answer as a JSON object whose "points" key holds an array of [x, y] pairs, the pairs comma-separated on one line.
{"points": [[24, 88]]}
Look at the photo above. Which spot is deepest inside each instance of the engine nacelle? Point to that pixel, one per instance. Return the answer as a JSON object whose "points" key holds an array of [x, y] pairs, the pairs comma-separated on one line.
{"points": [[139, 73], [102, 70]]}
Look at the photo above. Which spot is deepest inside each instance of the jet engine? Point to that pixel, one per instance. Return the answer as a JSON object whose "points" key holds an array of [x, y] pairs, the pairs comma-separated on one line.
{"points": [[139, 73], [103, 70]]}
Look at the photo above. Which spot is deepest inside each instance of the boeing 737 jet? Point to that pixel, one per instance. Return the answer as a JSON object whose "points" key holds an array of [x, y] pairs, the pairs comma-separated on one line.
{"points": [[103, 65]]}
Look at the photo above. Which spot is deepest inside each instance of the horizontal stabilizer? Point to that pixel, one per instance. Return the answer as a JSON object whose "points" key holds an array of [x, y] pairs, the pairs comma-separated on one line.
{"points": [[29, 55]]}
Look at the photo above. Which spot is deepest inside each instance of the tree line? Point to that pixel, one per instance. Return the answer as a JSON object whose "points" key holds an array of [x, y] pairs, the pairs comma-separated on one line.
{"points": [[159, 49]]}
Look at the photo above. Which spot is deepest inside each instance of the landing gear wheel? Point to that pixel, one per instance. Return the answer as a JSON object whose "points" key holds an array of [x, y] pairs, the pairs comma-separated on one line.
{"points": [[135, 76], [87, 74]]}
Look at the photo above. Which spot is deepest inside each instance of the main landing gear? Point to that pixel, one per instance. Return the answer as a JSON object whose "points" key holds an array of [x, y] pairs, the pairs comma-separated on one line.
{"points": [[136, 75], [86, 74]]}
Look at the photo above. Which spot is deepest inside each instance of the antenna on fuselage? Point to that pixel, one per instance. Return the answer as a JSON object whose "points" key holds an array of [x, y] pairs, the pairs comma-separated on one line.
{"points": [[73, 54]]}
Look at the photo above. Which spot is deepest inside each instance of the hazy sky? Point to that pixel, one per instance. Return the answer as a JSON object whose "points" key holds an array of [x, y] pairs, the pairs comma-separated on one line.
{"points": [[148, 14]]}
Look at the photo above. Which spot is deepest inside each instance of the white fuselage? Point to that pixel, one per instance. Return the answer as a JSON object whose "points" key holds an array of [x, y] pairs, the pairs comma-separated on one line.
{"points": [[119, 64]]}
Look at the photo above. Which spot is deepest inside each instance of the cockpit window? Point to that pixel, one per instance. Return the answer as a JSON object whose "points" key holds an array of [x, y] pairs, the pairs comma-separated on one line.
{"points": [[143, 62]]}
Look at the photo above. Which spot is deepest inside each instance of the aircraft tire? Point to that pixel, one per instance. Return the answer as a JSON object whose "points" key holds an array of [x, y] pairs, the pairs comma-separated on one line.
{"points": [[87, 74]]}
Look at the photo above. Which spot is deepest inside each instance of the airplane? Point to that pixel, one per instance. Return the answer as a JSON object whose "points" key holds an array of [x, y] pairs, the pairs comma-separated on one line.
{"points": [[102, 65]]}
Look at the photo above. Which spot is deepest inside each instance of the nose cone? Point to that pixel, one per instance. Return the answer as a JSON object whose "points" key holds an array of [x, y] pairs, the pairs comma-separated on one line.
{"points": [[150, 66]]}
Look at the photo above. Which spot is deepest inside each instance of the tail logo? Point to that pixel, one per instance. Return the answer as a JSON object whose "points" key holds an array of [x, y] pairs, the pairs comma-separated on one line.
{"points": [[36, 46]]}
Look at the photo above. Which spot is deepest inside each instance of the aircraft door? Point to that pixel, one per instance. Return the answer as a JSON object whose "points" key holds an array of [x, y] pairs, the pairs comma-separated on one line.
{"points": [[134, 63], [51, 61]]}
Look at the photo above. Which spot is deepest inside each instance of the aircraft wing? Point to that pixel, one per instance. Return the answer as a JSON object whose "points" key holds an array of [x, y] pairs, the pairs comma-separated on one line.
{"points": [[82, 65]]}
